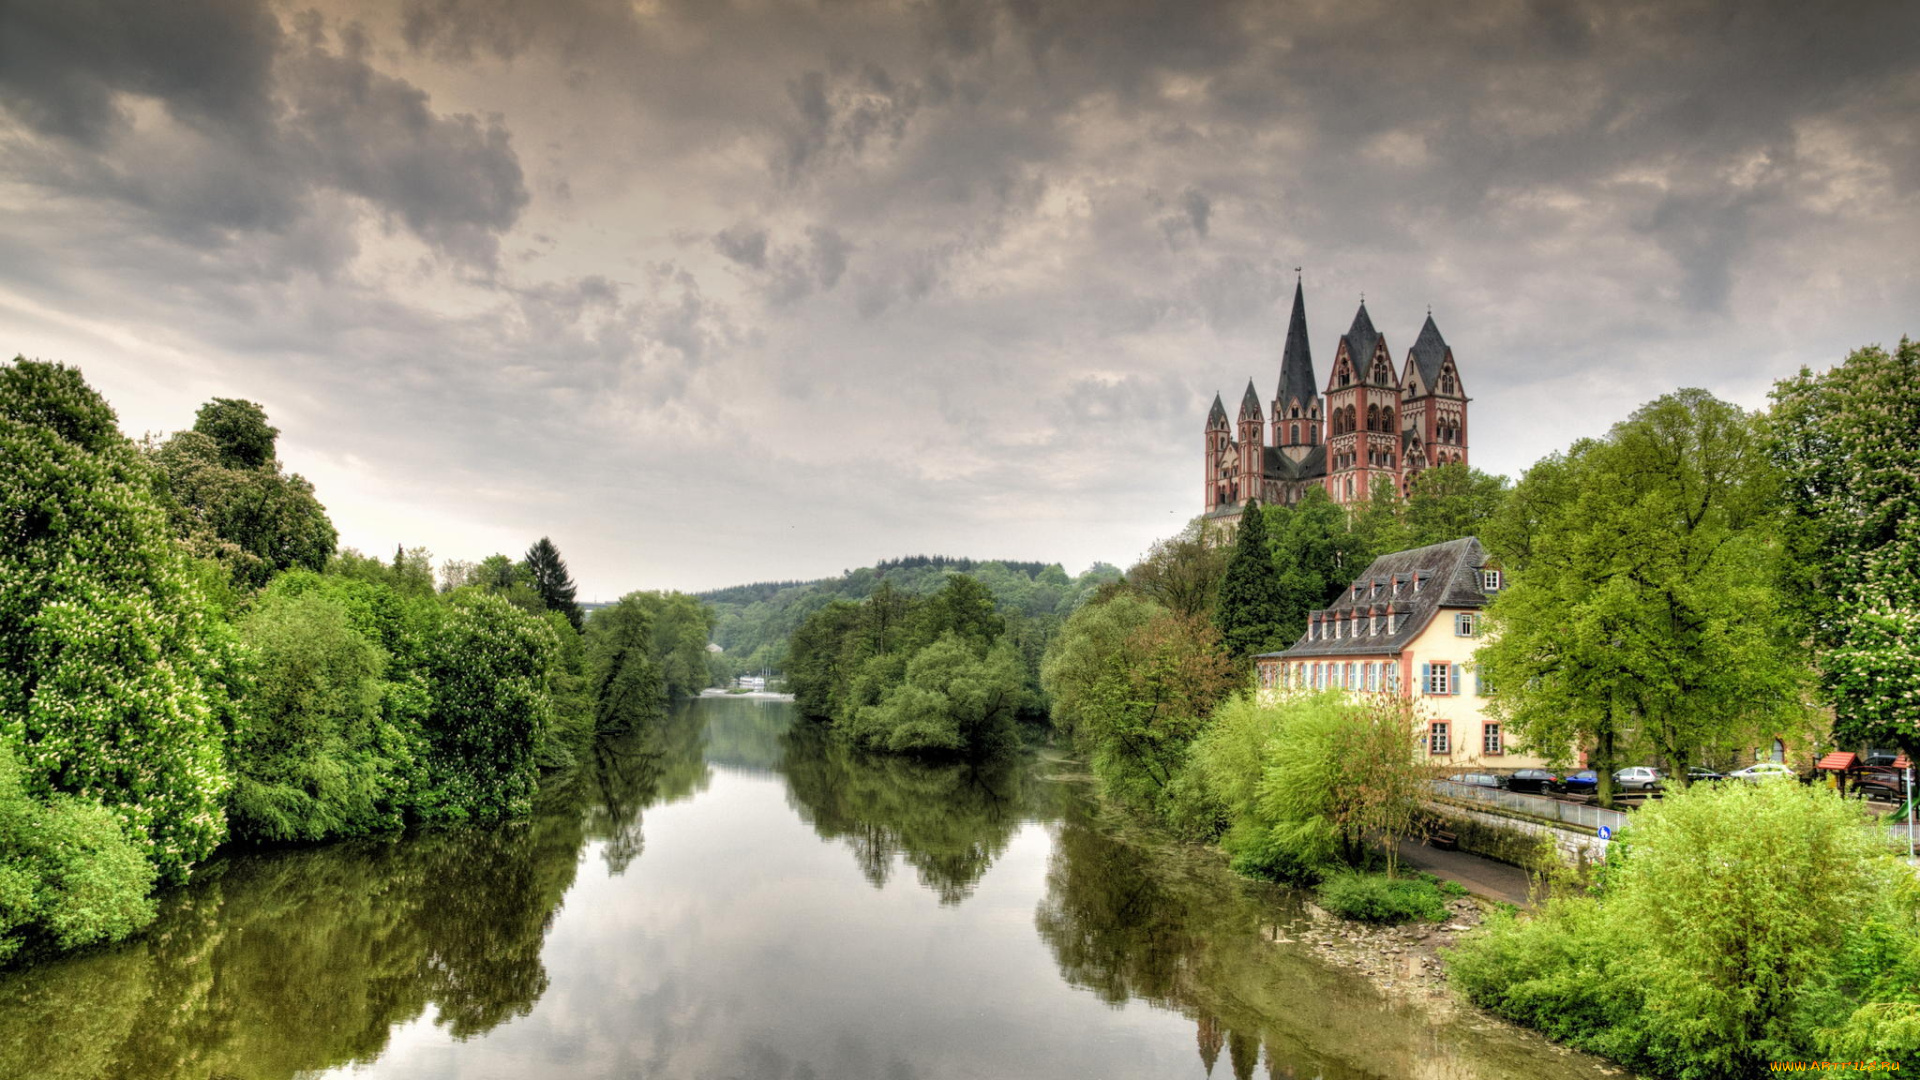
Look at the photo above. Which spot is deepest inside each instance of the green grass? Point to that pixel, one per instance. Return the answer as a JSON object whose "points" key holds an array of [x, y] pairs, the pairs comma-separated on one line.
{"points": [[1376, 898]]}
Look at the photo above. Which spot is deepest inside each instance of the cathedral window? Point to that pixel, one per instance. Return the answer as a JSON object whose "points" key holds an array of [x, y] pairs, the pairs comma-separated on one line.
{"points": [[1386, 419], [1373, 418], [1313, 433], [1296, 430]]}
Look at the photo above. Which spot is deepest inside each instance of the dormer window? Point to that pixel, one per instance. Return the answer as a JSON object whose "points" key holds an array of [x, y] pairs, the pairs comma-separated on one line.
{"points": [[1490, 579], [1417, 579]]}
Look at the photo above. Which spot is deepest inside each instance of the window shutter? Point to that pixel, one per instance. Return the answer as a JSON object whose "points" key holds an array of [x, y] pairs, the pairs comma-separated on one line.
{"points": [[1453, 679], [1425, 679], [1476, 683]]}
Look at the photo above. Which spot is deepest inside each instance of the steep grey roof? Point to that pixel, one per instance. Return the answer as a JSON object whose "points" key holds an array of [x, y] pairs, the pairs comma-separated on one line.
{"points": [[1250, 403], [1428, 351], [1296, 359], [1278, 466], [1452, 580], [1361, 338], [1217, 416]]}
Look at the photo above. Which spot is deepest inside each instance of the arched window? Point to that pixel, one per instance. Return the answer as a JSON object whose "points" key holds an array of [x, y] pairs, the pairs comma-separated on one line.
{"points": [[1296, 430], [1373, 418], [1779, 752], [1386, 419], [1353, 418], [1313, 433]]}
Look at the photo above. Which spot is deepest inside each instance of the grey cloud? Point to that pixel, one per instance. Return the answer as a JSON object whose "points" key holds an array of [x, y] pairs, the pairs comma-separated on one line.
{"points": [[786, 274], [256, 124]]}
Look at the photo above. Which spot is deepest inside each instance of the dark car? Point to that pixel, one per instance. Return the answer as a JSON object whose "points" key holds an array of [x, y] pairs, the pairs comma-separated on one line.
{"points": [[1698, 775], [1584, 782], [1536, 781]]}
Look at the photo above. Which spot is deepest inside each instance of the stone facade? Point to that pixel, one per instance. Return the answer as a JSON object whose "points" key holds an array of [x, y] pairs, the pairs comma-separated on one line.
{"points": [[1369, 421]]}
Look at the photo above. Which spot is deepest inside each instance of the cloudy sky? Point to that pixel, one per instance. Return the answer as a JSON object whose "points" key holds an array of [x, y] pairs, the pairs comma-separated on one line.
{"points": [[715, 292]]}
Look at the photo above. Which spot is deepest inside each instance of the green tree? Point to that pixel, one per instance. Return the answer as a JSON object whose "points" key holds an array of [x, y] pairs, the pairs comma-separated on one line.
{"points": [[551, 580], [1134, 684], [487, 665], [1846, 440], [1448, 502], [1250, 612], [313, 757], [1182, 573], [627, 688], [106, 650], [1318, 555], [956, 698], [240, 430], [1644, 608]]}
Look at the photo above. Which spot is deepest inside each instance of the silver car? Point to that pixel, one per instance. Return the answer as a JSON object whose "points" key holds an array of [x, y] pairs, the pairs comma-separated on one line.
{"points": [[1638, 778], [1763, 772]]}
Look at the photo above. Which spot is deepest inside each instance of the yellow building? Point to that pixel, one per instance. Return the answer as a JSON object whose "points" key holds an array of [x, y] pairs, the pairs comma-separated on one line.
{"points": [[1408, 626]]}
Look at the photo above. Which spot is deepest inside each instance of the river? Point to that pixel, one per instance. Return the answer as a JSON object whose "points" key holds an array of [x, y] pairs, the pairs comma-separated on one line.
{"points": [[729, 894]]}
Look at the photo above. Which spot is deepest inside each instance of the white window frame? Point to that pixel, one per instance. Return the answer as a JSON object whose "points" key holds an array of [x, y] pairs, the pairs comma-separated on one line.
{"points": [[1465, 625], [1393, 677], [1439, 738], [1438, 684], [1492, 743], [1489, 580]]}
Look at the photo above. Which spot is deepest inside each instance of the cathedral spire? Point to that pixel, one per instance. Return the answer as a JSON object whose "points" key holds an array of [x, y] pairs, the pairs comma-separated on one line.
{"points": [[1217, 416], [1297, 384], [1250, 403], [1429, 352]]}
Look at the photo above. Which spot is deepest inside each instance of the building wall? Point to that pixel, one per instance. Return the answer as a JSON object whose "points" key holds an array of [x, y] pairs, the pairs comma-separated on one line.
{"points": [[1461, 710]]}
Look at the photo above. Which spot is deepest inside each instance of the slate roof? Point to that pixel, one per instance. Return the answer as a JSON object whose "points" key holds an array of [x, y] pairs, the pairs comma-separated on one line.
{"points": [[1296, 360], [1429, 350], [1452, 580], [1250, 403], [1361, 338], [1278, 466], [1217, 416]]}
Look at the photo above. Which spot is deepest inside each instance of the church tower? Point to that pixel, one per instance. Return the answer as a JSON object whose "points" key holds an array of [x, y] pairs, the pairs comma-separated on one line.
{"points": [[1252, 446], [1296, 405], [1362, 420], [1221, 458], [1435, 405]]}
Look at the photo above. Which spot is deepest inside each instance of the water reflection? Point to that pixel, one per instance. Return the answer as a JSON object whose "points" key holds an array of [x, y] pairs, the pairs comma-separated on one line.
{"points": [[736, 940]]}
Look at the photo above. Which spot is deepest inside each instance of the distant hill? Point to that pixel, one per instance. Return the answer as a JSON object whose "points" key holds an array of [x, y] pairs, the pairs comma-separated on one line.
{"points": [[755, 620]]}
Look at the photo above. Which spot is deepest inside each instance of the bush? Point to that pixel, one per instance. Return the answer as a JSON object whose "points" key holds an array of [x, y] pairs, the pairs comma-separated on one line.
{"points": [[487, 667], [1376, 898], [1726, 932], [958, 696], [68, 875]]}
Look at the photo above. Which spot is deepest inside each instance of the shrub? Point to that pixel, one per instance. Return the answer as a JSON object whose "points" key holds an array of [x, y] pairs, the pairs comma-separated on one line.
{"points": [[1377, 898], [1726, 932], [487, 665], [68, 875]]}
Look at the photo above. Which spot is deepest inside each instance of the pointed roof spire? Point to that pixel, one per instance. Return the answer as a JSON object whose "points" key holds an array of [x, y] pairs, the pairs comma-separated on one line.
{"points": [[1361, 338], [1250, 403], [1428, 351], [1217, 416], [1296, 359]]}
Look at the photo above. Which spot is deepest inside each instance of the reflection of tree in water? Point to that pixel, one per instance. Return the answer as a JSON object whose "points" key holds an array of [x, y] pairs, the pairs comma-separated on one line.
{"points": [[948, 821], [662, 761], [280, 962], [1176, 929]]}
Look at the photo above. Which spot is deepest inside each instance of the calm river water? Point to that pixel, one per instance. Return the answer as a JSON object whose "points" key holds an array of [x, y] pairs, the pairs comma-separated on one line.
{"points": [[731, 895]]}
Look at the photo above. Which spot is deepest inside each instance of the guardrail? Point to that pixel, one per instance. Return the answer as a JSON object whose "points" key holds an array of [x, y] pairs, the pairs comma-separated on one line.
{"points": [[1535, 806]]}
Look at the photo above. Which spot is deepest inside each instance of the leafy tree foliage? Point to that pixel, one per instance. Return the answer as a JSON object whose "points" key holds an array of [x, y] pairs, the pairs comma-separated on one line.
{"points": [[1318, 555], [627, 688], [934, 675], [1134, 684], [1642, 606], [1846, 440], [106, 652], [314, 757], [1249, 611], [487, 663], [227, 497], [1182, 573], [548, 574], [1300, 786], [68, 875], [1676, 967]]}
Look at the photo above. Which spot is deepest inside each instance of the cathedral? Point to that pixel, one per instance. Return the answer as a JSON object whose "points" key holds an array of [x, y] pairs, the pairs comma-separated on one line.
{"points": [[1367, 423]]}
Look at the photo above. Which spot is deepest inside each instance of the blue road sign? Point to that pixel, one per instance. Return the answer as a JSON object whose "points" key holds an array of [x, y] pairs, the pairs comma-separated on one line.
{"points": [[1606, 832]]}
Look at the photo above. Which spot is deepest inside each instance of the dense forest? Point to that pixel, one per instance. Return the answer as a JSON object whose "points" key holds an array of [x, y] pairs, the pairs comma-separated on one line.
{"points": [[187, 659]]}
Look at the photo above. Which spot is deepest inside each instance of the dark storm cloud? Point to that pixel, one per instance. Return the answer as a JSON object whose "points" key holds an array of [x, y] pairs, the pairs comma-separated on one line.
{"points": [[980, 263], [254, 122]]}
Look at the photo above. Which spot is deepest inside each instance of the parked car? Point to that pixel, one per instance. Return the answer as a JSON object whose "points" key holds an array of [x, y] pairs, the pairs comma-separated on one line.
{"points": [[1763, 772], [1584, 782], [1638, 778], [1698, 775], [1536, 781], [1475, 779], [1882, 757]]}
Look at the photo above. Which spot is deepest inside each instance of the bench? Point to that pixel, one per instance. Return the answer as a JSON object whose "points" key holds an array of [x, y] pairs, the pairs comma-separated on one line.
{"points": [[1443, 840]]}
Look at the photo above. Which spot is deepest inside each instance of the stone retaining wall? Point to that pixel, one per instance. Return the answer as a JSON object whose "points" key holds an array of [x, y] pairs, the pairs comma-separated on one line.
{"points": [[1516, 840]]}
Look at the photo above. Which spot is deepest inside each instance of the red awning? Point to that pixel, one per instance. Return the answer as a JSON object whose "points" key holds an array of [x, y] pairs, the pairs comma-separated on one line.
{"points": [[1901, 762], [1839, 760]]}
